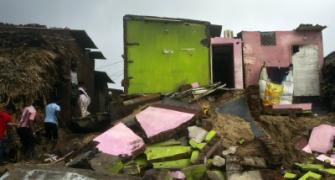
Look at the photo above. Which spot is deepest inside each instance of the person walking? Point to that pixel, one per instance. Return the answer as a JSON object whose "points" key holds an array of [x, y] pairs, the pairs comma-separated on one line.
{"points": [[51, 122], [25, 130]]}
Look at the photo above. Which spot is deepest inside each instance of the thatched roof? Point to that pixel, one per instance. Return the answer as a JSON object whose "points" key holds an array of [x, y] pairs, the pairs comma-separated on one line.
{"points": [[27, 72]]}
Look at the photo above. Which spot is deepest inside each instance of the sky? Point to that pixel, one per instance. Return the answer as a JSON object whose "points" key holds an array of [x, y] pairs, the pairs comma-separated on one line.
{"points": [[102, 19]]}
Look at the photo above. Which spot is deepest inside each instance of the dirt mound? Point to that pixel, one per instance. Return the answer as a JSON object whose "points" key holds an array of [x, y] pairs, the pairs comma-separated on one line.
{"points": [[286, 131], [232, 129]]}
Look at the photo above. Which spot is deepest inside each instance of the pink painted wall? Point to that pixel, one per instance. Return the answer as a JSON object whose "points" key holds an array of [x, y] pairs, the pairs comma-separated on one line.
{"points": [[254, 54], [238, 64]]}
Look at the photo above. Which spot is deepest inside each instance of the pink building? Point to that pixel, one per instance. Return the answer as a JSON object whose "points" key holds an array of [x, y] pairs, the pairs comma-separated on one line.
{"points": [[302, 48], [227, 65]]}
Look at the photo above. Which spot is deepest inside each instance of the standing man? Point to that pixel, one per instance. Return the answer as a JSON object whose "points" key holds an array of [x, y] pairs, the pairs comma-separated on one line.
{"points": [[50, 122], [5, 118], [25, 130], [83, 101]]}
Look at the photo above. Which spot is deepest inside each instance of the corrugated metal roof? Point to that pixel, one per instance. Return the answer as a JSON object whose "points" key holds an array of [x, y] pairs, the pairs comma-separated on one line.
{"points": [[83, 39], [96, 55], [215, 30], [102, 76], [310, 27]]}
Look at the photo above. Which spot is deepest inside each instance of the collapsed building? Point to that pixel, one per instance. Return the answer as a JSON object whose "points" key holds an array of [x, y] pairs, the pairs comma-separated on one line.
{"points": [[193, 106]]}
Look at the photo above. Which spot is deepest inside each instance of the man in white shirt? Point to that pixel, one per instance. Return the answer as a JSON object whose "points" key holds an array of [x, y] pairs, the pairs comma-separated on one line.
{"points": [[83, 101], [51, 122]]}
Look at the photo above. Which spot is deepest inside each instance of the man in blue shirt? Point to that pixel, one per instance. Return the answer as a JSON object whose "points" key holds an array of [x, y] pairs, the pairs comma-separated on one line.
{"points": [[50, 122]]}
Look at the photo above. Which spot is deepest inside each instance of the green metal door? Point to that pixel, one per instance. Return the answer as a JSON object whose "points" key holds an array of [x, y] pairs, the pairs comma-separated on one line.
{"points": [[162, 54]]}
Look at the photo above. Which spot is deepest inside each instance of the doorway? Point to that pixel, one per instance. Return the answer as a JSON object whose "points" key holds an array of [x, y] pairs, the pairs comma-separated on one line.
{"points": [[223, 64]]}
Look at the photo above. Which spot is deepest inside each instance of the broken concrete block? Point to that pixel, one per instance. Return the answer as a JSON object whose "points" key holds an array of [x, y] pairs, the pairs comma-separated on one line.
{"points": [[247, 175], [327, 159], [177, 164], [215, 175], [120, 141], [166, 152], [170, 142], [330, 171], [195, 172], [135, 166], [179, 175], [230, 150], [219, 161], [210, 135], [233, 164], [310, 175], [194, 156], [196, 145], [289, 175], [309, 167], [321, 139], [256, 162], [106, 164], [160, 123], [196, 133]]}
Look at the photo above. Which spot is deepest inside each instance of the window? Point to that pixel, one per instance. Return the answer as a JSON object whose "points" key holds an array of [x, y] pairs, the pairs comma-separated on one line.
{"points": [[268, 38]]}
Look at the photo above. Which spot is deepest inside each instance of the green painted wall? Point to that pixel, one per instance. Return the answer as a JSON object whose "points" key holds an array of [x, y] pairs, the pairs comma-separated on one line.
{"points": [[168, 54]]}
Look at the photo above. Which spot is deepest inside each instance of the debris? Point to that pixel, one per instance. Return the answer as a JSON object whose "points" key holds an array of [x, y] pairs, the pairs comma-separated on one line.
{"points": [[176, 164], [166, 152], [255, 162], [134, 167], [219, 161], [239, 107], [196, 145], [142, 99], [59, 172], [80, 161], [195, 172], [178, 175], [160, 123], [330, 171], [194, 156], [196, 133], [309, 175], [215, 175], [120, 141], [233, 164], [210, 135], [305, 107], [310, 167], [289, 175], [247, 175], [321, 139], [241, 141], [229, 151], [325, 158], [169, 142], [106, 164]]}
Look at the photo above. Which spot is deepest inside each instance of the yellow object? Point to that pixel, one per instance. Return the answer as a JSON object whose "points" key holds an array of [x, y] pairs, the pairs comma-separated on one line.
{"points": [[272, 94]]}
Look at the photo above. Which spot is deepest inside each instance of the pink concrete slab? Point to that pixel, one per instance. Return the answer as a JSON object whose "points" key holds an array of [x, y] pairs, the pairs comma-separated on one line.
{"points": [[119, 141], [321, 139], [307, 149], [155, 120], [303, 106]]}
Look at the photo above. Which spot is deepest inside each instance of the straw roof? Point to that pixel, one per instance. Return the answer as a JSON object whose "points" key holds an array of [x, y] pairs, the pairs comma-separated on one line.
{"points": [[29, 72]]}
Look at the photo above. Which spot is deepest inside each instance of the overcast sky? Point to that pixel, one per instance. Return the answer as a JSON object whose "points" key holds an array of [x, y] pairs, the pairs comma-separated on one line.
{"points": [[102, 19]]}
